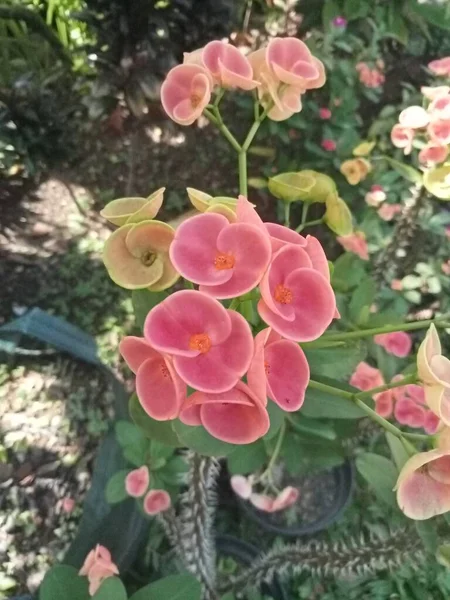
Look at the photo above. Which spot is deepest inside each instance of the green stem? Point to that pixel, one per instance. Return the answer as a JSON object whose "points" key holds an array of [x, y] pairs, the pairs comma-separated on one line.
{"points": [[354, 335], [275, 453], [356, 398], [287, 214], [234, 304], [242, 157], [388, 386], [305, 209], [309, 224], [216, 118]]}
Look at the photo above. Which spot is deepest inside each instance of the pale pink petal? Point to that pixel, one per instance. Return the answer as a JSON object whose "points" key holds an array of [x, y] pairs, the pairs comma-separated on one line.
{"points": [[430, 347], [256, 375], [287, 497], [431, 422], [440, 107], [246, 213], [135, 351], [159, 388], [440, 367], [137, 482], [421, 497], [241, 486], [185, 93], [190, 415], [291, 61], [366, 377], [398, 343], [414, 117], [409, 413], [433, 153], [281, 235], [287, 374], [439, 131], [229, 67], [434, 92], [439, 469], [156, 501], [262, 502], [317, 255], [402, 137], [384, 403]]}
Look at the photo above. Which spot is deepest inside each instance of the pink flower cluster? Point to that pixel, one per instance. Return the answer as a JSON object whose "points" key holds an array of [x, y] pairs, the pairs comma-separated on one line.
{"points": [[430, 126], [440, 67], [371, 78], [281, 72], [136, 485], [376, 197], [243, 487], [355, 242], [97, 567], [191, 339]]}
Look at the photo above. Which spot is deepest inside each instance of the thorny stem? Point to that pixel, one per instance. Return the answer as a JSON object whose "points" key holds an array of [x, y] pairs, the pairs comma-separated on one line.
{"points": [[442, 321], [356, 398]]}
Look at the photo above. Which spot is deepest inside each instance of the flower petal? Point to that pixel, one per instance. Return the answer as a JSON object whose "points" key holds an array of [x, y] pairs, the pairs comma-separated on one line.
{"points": [[241, 486], [287, 374], [135, 351], [160, 390], [156, 501], [137, 482], [120, 210]]}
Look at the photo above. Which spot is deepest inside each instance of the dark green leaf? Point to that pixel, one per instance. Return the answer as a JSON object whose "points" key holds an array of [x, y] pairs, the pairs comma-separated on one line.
{"points": [[133, 442], [380, 473], [276, 416], [433, 13], [428, 535], [348, 272], [331, 9], [399, 454], [199, 440], [159, 450], [174, 471], [362, 298], [406, 171], [301, 454], [356, 9], [161, 431], [247, 459], [61, 578], [174, 587], [143, 301], [111, 589], [337, 363], [115, 490], [312, 427], [320, 404]]}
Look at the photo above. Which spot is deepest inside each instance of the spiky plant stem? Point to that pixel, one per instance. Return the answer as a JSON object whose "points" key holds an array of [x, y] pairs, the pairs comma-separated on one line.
{"points": [[169, 523], [196, 522], [404, 243], [320, 559]]}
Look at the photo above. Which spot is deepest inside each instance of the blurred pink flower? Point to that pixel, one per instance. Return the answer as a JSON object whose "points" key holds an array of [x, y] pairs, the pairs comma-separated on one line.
{"points": [[446, 267], [440, 66], [371, 78], [376, 196], [434, 92], [328, 145], [97, 567], [397, 285], [402, 137], [285, 498], [325, 113], [185, 93], [228, 66], [440, 107], [241, 486], [339, 21], [384, 403], [356, 243], [398, 343], [67, 504], [156, 501], [439, 131], [366, 377], [433, 153], [388, 211]]}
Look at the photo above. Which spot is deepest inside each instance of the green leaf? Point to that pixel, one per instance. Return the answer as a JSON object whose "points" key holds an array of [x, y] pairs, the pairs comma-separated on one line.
{"points": [[143, 301], [362, 298], [198, 439], [380, 473], [406, 171], [161, 431], [397, 27], [115, 489], [61, 578], [258, 183], [338, 363], [348, 272], [428, 535], [133, 442], [398, 451], [159, 450], [320, 404], [301, 454], [356, 9], [174, 471], [111, 589], [247, 459], [312, 427], [277, 417], [433, 13], [174, 587], [330, 10], [443, 555]]}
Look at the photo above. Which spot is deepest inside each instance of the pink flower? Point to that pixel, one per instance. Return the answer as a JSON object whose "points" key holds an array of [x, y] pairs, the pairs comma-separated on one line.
{"points": [[241, 486], [371, 78], [236, 416], [446, 267], [447, 231], [414, 117], [280, 236], [398, 343], [158, 386], [262, 502], [274, 363], [440, 107], [212, 347], [384, 403], [396, 285], [434, 92], [291, 61], [297, 301], [388, 211], [156, 501], [366, 377], [376, 196], [325, 113], [423, 486], [439, 131], [441, 66], [433, 153], [226, 259], [287, 497], [339, 21], [185, 92], [431, 422], [402, 137], [356, 243], [67, 505], [228, 67], [137, 482], [97, 567], [328, 145]]}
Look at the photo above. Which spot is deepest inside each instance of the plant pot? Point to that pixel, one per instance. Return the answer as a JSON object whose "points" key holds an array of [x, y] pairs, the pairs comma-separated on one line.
{"points": [[338, 483], [244, 554]]}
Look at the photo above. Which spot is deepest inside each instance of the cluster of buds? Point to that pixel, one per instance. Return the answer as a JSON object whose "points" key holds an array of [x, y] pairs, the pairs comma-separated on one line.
{"points": [[137, 483]]}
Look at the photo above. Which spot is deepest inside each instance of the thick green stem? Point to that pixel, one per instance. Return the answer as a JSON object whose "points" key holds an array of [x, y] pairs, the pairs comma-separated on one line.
{"points": [[387, 386], [287, 214], [216, 118], [305, 209], [362, 333], [243, 173], [275, 453]]}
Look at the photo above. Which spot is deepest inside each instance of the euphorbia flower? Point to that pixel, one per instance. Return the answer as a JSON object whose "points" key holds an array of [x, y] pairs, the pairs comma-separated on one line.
{"points": [[137, 482], [440, 66], [384, 403], [433, 153], [414, 117], [355, 242], [355, 169], [376, 196], [366, 377], [325, 113], [186, 92], [280, 369], [211, 346], [97, 567], [281, 235], [156, 501], [287, 497], [296, 300], [440, 107], [236, 416], [241, 486], [439, 131], [228, 66], [328, 145], [388, 211], [402, 137], [397, 343], [434, 92], [226, 259], [159, 388], [133, 210], [137, 256], [291, 61], [423, 486], [434, 372]]}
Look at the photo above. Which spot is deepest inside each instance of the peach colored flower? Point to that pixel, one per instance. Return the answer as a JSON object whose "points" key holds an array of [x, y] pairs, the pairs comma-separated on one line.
{"points": [[433, 153], [398, 343], [328, 145], [440, 66], [439, 131], [325, 113], [270, 372], [376, 196], [241, 486], [402, 137], [297, 301], [366, 377], [186, 92], [137, 482], [355, 170], [356, 243], [212, 347], [388, 211], [160, 390], [414, 117], [423, 486], [434, 372], [137, 256], [156, 501], [97, 567], [397, 285]]}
